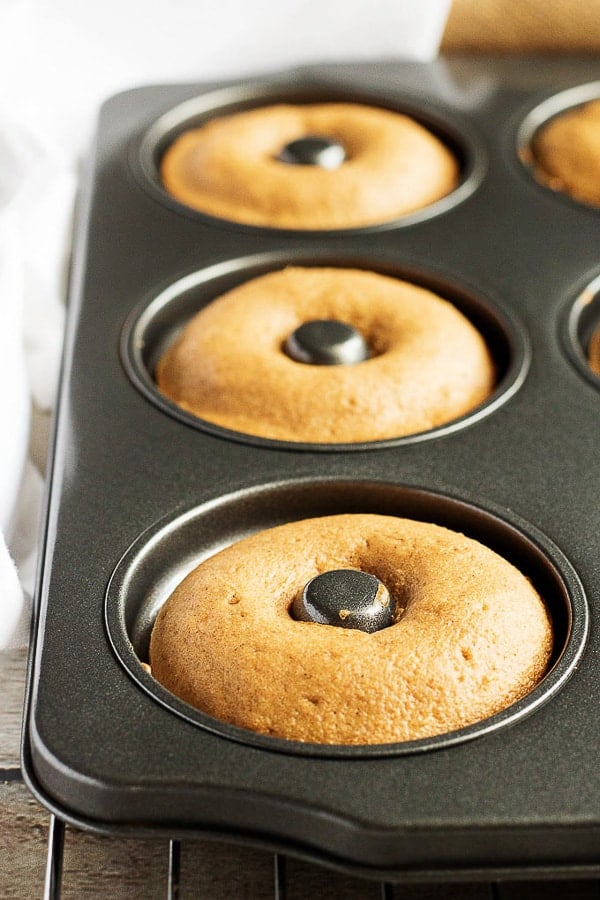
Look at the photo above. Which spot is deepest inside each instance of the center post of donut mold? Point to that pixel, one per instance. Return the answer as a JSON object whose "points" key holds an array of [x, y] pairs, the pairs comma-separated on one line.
{"points": [[347, 598], [326, 342], [313, 150]]}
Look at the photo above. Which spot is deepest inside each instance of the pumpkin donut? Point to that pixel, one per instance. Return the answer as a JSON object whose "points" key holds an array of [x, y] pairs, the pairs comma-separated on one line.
{"points": [[594, 352], [235, 167], [566, 153], [427, 364], [469, 634]]}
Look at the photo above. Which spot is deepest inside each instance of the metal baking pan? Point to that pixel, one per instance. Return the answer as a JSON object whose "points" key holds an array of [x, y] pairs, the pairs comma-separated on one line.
{"points": [[139, 491]]}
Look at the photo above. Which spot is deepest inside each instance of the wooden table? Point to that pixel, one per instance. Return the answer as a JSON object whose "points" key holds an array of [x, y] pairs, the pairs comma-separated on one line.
{"points": [[524, 26]]}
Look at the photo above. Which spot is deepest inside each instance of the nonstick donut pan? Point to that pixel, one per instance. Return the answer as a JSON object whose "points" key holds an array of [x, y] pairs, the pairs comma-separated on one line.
{"points": [[140, 490]]}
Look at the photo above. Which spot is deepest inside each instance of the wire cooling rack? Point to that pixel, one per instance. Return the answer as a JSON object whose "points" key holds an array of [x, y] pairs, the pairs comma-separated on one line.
{"points": [[289, 884]]}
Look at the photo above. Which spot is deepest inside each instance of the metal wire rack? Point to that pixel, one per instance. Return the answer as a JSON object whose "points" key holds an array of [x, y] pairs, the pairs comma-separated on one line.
{"points": [[584, 889], [54, 865]]}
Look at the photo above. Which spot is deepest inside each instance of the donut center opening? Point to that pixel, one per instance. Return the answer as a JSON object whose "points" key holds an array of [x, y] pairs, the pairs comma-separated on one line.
{"points": [[346, 598], [313, 150], [326, 342]]}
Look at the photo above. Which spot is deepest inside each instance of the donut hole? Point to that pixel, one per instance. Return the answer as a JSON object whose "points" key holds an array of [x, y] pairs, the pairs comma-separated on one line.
{"points": [[559, 144], [455, 138], [581, 332], [313, 150], [161, 557], [348, 596], [326, 342]]}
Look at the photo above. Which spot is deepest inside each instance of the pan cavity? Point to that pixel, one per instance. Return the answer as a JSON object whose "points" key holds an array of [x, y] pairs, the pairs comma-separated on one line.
{"points": [[331, 349], [162, 556], [559, 143], [581, 332], [320, 144]]}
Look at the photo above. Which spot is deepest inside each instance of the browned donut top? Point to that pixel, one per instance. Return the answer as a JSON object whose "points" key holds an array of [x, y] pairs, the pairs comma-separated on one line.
{"points": [[428, 364], [229, 167], [471, 636], [567, 153], [594, 352]]}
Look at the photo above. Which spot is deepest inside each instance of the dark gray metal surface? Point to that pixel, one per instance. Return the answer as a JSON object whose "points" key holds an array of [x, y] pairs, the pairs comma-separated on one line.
{"points": [[313, 151], [326, 342], [137, 488], [346, 598]]}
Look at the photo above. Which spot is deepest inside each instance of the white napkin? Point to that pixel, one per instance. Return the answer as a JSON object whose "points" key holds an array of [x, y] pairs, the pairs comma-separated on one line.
{"points": [[15, 405], [58, 61], [37, 186]]}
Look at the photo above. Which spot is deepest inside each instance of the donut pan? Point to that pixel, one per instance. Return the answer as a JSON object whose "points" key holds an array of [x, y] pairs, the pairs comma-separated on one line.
{"points": [[139, 491]]}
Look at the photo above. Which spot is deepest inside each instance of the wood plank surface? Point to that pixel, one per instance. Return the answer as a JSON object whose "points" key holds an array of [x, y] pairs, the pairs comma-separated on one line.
{"points": [[524, 26], [12, 685]]}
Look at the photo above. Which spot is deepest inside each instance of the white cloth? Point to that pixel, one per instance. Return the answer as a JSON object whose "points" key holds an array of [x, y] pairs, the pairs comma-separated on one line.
{"points": [[37, 187], [58, 61]]}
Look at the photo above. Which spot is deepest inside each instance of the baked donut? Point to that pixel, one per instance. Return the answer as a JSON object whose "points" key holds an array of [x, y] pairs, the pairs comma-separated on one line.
{"points": [[427, 364], [470, 634], [232, 167], [594, 352], [566, 153]]}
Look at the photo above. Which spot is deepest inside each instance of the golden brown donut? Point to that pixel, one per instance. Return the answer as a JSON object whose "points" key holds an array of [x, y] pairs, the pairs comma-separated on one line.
{"points": [[473, 636], [594, 352], [229, 167], [429, 365], [567, 153]]}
